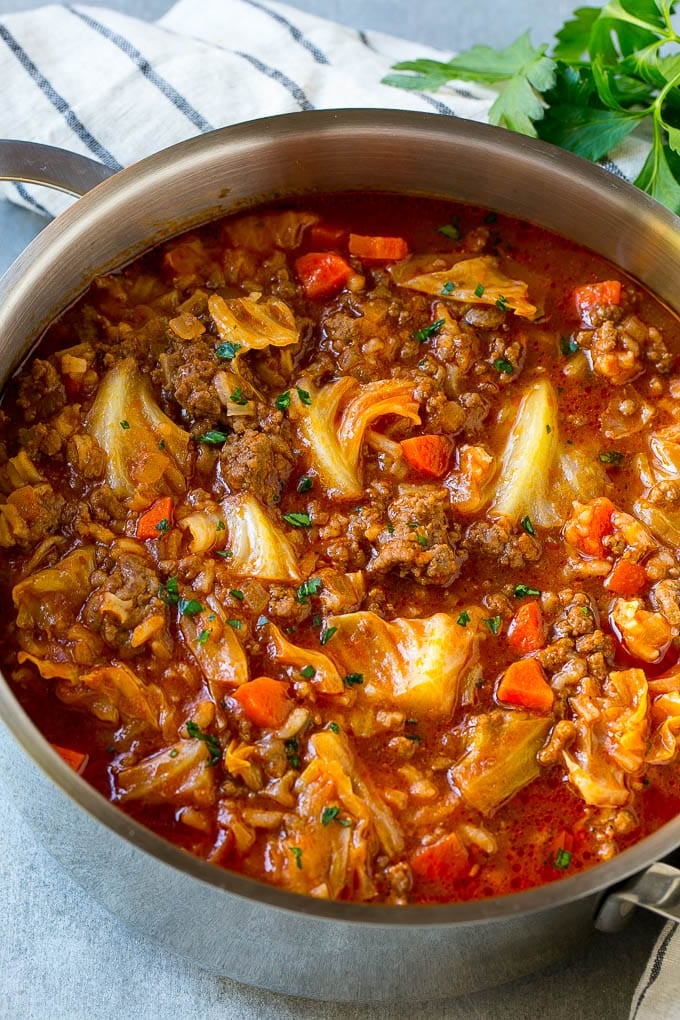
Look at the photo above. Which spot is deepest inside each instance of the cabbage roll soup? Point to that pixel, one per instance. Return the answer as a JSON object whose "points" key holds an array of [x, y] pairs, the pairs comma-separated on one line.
{"points": [[342, 545]]}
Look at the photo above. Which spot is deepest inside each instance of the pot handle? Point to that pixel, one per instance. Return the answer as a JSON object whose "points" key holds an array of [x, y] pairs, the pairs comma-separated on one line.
{"points": [[657, 888], [34, 163]]}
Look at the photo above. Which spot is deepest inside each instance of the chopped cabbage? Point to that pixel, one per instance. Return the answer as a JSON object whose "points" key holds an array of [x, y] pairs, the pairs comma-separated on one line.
{"points": [[477, 281], [334, 424], [217, 650], [326, 677], [51, 598], [180, 774], [113, 693], [664, 523], [252, 324], [665, 712], [147, 454], [538, 477], [416, 665], [612, 737], [259, 548], [501, 757], [262, 231]]}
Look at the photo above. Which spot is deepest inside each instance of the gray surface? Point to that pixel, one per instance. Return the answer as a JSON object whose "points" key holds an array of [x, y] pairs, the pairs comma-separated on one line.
{"points": [[62, 956]]}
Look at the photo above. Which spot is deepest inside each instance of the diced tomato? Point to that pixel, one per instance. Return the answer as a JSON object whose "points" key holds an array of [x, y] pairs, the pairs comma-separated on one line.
{"points": [[76, 759], [322, 273], [428, 454], [265, 701], [589, 524], [524, 684], [526, 632], [156, 520], [378, 249], [441, 864], [593, 295], [323, 236], [626, 578]]}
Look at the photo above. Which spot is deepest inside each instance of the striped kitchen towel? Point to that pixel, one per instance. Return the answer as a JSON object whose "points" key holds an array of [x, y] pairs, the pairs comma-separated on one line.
{"points": [[117, 88]]}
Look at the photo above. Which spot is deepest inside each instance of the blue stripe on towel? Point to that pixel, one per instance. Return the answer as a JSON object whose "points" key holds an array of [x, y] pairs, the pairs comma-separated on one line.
{"points": [[58, 101], [655, 969], [283, 79], [164, 86], [320, 57], [437, 105]]}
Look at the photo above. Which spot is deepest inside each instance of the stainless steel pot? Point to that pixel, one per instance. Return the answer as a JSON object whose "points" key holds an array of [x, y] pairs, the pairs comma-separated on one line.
{"points": [[221, 921]]}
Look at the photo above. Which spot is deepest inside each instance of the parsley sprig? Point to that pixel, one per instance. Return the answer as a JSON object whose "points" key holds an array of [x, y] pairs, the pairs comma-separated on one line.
{"points": [[612, 68]]}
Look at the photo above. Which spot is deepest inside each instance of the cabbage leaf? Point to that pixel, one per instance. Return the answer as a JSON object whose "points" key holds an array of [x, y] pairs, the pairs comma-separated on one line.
{"points": [[333, 425], [477, 281], [177, 774], [262, 231], [253, 324], [147, 454], [326, 677], [259, 548]]}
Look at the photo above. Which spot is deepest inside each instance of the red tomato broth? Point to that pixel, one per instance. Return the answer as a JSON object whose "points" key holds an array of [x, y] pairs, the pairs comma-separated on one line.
{"points": [[128, 313]]}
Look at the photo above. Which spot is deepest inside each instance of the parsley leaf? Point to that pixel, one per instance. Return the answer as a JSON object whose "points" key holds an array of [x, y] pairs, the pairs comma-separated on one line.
{"points": [[237, 397], [282, 401], [493, 624], [189, 607], [449, 230], [327, 634], [611, 457], [308, 672], [503, 365], [227, 351], [569, 345], [169, 592], [305, 484], [353, 679], [421, 335], [463, 618], [308, 588], [304, 397], [528, 526], [562, 859], [298, 520], [211, 742], [522, 590], [212, 438]]}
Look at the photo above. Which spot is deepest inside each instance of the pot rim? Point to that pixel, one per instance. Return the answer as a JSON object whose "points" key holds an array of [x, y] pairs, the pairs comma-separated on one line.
{"points": [[63, 232]]}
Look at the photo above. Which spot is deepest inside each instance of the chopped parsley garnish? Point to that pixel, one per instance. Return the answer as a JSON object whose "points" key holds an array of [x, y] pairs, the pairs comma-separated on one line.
{"points": [[414, 737], [449, 230], [479, 290], [308, 672], [189, 607], [227, 351], [502, 303], [462, 621], [213, 437], [125, 424], [422, 541], [569, 345], [562, 859], [163, 525], [493, 624], [161, 444], [297, 854], [296, 520], [282, 401], [448, 287], [327, 634], [611, 457], [211, 742], [309, 588], [527, 525], [291, 749], [203, 637], [237, 397], [220, 525], [305, 484], [169, 592], [329, 813], [333, 727], [504, 366], [491, 217], [389, 528], [548, 429], [236, 624], [224, 553], [237, 594], [304, 397], [352, 679], [316, 620], [421, 335], [174, 752], [522, 590]]}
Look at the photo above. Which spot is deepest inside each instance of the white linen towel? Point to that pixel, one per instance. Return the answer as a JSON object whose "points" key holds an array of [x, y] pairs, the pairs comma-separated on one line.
{"points": [[117, 89]]}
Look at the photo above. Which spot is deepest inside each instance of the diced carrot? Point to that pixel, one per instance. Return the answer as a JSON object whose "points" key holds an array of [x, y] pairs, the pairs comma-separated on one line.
{"points": [[264, 701], [428, 454], [526, 632], [442, 863], [524, 683], [156, 520], [626, 578], [380, 249], [324, 236], [322, 273], [591, 295], [76, 759], [589, 524]]}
